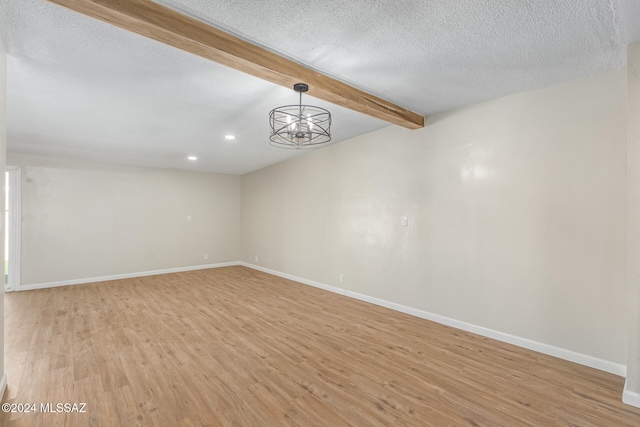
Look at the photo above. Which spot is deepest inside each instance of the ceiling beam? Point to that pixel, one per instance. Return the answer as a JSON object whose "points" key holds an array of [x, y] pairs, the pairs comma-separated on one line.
{"points": [[165, 25]]}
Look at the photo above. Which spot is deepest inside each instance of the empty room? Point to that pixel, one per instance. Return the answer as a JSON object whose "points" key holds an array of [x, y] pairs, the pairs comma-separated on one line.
{"points": [[236, 213]]}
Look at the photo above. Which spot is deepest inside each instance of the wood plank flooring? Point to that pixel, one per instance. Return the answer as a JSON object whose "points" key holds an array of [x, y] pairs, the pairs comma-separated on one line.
{"points": [[236, 347]]}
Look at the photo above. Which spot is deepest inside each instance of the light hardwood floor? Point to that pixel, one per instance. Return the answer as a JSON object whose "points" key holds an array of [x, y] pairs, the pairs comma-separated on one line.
{"points": [[236, 347]]}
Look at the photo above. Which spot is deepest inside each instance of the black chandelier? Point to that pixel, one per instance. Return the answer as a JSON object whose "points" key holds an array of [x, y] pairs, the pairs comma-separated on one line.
{"points": [[300, 126]]}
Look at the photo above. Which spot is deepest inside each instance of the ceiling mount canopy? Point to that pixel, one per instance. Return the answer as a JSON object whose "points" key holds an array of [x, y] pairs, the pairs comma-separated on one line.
{"points": [[300, 126]]}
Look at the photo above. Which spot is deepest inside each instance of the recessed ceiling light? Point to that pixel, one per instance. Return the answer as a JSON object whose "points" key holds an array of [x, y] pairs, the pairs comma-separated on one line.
{"points": [[192, 158], [229, 137]]}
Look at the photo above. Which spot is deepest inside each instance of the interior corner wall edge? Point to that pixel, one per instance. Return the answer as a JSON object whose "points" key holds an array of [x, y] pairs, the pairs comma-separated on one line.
{"points": [[83, 220], [517, 216]]}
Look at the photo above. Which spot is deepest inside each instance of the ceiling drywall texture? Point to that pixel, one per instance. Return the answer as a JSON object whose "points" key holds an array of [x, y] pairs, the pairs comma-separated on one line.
{"points": [[80, 88]]}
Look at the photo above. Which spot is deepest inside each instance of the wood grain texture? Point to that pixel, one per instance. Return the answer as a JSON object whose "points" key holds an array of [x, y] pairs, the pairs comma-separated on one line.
{"points": [[237, 347], [165, 25]]}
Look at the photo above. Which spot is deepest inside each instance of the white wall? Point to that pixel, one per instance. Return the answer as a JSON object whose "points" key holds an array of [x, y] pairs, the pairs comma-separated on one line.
{"points": [[83, 220], [632, 386], [3, 146], [517, 216]]}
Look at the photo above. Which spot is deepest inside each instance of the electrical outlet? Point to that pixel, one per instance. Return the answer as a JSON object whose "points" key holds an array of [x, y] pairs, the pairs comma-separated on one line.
{"points": [[188, 218], [404, 221], [341, 278], [206, 257], [256, 258]]}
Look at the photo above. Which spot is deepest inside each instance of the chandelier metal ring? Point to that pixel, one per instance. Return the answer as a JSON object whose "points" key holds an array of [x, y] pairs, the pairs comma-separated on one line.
{"points": [[300, 126]]}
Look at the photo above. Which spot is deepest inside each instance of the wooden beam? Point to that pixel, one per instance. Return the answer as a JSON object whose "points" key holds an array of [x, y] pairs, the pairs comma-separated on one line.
{"points": [[165, 25]]}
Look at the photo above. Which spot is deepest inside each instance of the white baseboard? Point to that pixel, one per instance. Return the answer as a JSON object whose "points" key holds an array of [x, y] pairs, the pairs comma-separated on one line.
{"points": [[572, 356], [630, 397], [296, 279], [122, 276], [583, 359], [3, 386]]}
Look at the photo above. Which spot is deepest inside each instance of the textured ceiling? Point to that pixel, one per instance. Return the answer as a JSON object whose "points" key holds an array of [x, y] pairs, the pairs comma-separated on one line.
{"points": [[80, 88]]}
